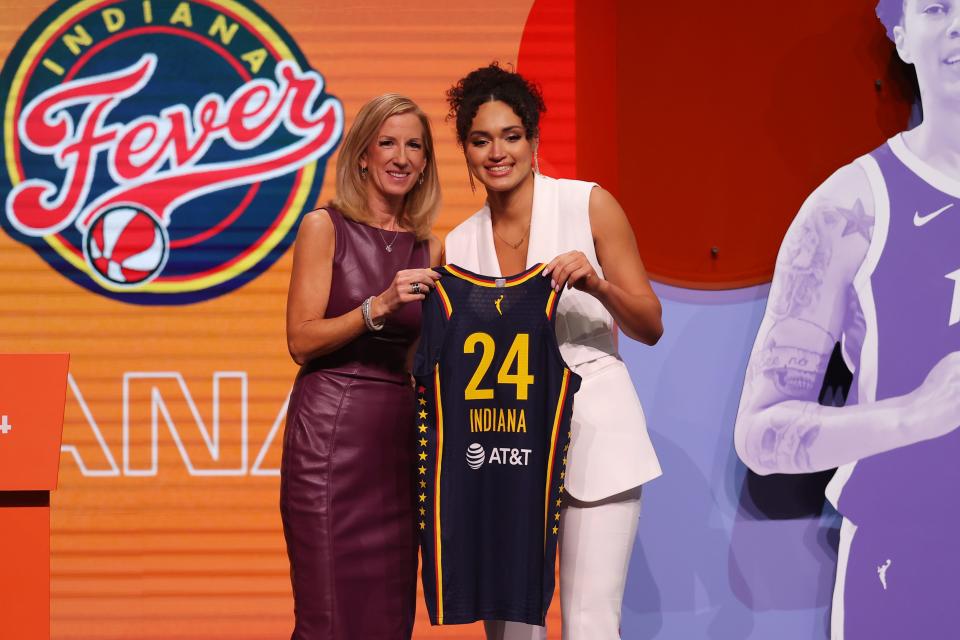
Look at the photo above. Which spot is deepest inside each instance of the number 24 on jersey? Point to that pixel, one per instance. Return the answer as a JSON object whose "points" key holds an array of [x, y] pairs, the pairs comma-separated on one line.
{"points": [[518, 355]]}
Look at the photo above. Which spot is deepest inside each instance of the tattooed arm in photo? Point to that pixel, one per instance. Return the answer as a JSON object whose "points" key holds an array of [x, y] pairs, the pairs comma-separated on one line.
{"points": [[781, 428]]}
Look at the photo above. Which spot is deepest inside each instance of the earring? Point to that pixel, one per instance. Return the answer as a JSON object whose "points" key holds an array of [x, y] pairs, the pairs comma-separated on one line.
{"points": [[363, 173], [420, 179], [473, 185], [536, 161]]}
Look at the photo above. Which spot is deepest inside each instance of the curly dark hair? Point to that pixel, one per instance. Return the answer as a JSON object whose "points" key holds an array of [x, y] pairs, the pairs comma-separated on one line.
{"points": [[890, 13], [491, 83]]}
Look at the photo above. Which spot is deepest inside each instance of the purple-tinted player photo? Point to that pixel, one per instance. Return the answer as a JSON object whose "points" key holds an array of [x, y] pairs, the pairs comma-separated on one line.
{"points": [[872, 261]]}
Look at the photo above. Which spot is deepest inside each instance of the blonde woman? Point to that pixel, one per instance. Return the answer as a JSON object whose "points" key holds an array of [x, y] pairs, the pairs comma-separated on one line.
{"points": [[345, 495]]}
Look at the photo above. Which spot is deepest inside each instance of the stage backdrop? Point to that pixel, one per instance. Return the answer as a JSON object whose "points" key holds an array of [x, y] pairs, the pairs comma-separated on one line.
{"points": [[157, 157]]}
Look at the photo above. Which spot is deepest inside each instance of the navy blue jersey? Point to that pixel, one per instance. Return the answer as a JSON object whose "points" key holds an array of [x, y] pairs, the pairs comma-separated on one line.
{"points": [[494, 403]]}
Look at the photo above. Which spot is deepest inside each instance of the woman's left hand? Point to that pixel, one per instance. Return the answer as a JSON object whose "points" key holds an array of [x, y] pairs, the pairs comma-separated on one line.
{"points": [[573, 270]]}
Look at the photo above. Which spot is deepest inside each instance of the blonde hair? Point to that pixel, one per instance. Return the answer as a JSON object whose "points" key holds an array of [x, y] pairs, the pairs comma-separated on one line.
{"points": [[422, 202]]}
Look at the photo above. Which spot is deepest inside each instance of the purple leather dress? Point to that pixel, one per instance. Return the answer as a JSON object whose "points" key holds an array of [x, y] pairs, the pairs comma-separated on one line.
{"points": [[346, 479]]}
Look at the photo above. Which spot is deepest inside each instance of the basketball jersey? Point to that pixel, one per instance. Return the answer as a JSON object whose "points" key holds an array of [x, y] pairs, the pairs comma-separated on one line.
{"points": [[494, 402], [903, 555]]}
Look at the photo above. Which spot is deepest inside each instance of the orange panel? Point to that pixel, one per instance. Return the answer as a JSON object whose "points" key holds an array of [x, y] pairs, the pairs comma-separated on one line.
{"points": [[32, 392], [25, 565]]}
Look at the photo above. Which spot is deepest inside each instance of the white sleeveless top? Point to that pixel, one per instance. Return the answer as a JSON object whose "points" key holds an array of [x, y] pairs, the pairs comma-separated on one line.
{"points": [[610, 450]]}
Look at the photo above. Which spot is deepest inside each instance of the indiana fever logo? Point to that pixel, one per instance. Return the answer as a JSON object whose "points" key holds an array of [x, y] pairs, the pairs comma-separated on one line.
{"points": [[161, 152]]}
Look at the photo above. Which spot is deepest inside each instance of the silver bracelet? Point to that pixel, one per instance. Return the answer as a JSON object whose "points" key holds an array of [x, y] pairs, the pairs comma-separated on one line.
{"points": [[367, 318]]}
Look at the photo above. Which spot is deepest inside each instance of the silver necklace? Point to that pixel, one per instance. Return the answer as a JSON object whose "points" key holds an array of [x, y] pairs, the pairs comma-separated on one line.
{"points": [[386, 245]]}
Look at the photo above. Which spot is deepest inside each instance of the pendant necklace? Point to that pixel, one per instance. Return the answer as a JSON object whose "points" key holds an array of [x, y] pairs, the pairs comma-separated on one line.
{"points": [[386, 245]]}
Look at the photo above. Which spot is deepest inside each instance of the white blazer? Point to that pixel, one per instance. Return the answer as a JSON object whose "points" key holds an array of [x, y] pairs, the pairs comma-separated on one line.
{"points": [[610, 450]]}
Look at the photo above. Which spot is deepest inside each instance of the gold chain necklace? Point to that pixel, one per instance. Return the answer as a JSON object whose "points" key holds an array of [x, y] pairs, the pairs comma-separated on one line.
{"points": [[507, 242]]}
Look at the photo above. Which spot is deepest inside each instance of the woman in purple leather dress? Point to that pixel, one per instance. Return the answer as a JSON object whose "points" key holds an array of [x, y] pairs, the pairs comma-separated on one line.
{"points": [[360, 270]]}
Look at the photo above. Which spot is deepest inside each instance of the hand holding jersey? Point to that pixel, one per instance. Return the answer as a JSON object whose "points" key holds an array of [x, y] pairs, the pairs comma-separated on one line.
{"points": [[408, 285], [573, 269]]}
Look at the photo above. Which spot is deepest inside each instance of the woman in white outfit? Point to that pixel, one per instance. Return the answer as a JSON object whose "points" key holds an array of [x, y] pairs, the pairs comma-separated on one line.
{"points": [[583, 234]]}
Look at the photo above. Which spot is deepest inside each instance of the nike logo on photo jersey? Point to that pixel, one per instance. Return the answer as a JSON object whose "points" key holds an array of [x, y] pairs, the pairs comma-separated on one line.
{"points": [[919, 221]]}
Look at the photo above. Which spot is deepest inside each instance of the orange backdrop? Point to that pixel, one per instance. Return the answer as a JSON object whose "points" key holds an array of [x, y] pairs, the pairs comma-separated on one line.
{"points": [[193, 548]]}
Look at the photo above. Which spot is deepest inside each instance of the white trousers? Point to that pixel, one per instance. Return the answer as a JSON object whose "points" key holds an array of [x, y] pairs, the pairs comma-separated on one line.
{"points": [[596, 540]]}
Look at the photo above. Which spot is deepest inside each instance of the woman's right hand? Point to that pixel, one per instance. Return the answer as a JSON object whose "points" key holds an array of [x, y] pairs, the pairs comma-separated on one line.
{"points": [[400, 291], [933, 409]]}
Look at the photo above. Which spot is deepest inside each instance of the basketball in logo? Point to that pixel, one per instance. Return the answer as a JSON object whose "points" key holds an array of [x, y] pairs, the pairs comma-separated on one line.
{"points": [[475, 456], [126, 246], [161, 152]]}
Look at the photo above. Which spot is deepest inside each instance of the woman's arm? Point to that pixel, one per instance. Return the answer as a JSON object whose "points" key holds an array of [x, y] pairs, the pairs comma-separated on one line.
{"points": [[624, 290], [309, 334], [781, 428]]}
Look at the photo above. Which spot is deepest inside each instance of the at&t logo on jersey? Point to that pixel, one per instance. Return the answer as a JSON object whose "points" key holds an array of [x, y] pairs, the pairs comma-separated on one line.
{"points": [[476, 456], [161, 152]]}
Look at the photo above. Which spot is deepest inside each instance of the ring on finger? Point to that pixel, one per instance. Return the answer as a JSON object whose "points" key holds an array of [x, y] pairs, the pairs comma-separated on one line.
{"points": [[415, 288]]}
